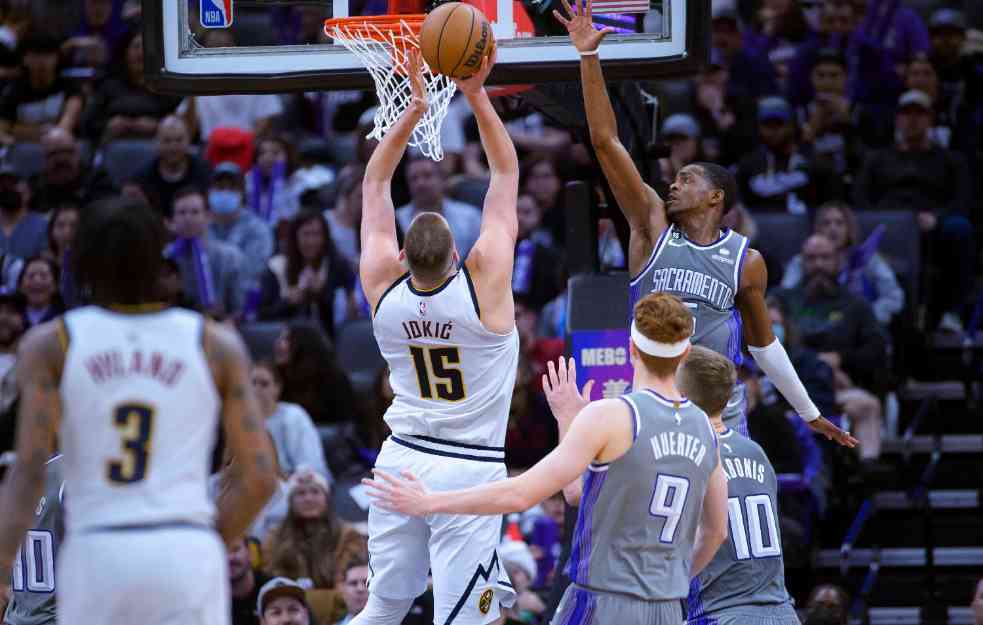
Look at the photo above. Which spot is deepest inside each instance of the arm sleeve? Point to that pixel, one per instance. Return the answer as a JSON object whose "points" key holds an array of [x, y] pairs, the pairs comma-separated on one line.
{"points": [[774, 361]]}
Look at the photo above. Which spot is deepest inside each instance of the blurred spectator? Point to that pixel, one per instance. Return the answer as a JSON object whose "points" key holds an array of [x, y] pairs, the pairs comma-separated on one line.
{"points": [[724, 112], [310, 280], [170, 286], [267, 183], [518, 561], [15, 21], [823, 614], [122, 107], [843, 329], [40, 98], [749, 72], [778, 176], [959, 97], [62, 227], [863, 271], [896, 30], [13, 324], [231, 223], [921, 76], [373, 430], [22, 233], [537, 134], [780, 27], [309, 543], [977, 603], [231, 144], [915, 175], [354, 586], [312, 376], [831, 601], [174, 167], [535, 274], [64, 177], [39, 284], [244, 582], [212, 271], [427, 186], [100, 32], [345, 218], [531, 432], [295, 438], [828, 120], [682, 132], [545, 539], [540, 178], [283, 602], [537, 350]]}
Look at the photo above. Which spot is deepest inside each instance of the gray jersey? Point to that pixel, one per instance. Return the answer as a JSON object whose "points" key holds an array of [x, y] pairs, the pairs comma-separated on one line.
{"points": [[638, 514], [705, 278], [33, 574], [747, 570]]}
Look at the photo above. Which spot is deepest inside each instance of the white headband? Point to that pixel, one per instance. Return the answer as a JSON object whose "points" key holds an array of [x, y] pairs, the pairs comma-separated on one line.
{"points": [[655, 348]]}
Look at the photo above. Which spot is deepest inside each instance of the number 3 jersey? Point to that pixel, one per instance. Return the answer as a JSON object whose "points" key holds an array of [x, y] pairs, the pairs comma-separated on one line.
{"points": [[747, 570], [452, 378], [638, 514], [32, 576], [140, 414]]}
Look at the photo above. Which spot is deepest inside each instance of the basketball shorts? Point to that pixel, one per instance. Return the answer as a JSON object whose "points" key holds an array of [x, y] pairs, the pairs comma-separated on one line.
{"points": [[735, 412], [171, 575], [751, 615], [581, 606], [459, 551]]}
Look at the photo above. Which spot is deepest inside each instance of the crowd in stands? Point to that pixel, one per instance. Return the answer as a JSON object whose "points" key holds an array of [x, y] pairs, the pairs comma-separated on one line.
{"points": [[831, 110]]}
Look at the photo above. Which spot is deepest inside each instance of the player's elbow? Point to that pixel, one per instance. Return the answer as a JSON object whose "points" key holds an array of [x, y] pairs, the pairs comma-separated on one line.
{"points": [[604, 141]]}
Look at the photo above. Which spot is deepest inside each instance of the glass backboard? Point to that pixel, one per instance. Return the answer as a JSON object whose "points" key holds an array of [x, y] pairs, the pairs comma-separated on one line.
{"points": [[271, 46]]}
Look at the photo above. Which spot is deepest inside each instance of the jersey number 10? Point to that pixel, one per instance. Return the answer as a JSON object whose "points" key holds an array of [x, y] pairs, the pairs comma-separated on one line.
{"points": [[38, 573], [437, 374], [759, 537]]}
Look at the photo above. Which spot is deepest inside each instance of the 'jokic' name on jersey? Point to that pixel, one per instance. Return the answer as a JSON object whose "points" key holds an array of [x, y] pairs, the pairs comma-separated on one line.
{"points": [[112, 365], [743, 467], [428, 330], [695, 283], [678, 444]]}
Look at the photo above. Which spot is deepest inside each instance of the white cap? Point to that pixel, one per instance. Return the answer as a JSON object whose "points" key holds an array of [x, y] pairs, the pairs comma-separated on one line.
{"points": [[516, 553]]}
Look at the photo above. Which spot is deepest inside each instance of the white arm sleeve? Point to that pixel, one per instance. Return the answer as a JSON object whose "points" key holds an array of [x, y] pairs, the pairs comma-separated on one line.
{"points": [[775, 363]]}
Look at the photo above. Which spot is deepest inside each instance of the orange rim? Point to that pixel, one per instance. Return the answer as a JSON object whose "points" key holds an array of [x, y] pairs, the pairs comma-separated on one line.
{"points": [[378, 27]]}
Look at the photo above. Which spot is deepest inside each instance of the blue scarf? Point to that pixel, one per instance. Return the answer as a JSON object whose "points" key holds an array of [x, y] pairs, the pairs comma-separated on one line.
{"points": [[265, 191], [203, 275], [853, 277]]}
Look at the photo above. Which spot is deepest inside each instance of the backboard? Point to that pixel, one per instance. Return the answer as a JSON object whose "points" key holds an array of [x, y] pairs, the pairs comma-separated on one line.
{"points": [[271, 46]]}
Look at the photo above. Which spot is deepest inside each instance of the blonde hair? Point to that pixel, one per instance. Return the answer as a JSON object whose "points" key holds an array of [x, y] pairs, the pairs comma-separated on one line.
{"points": [[707, 379]]}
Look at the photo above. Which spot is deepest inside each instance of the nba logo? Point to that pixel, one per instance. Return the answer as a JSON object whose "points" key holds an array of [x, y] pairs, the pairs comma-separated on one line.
{"points": [[215, 13]]}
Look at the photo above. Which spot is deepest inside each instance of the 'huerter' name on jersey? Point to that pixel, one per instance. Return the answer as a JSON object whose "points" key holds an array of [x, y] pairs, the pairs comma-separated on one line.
{"points": [[115, 364], [678, 444]]}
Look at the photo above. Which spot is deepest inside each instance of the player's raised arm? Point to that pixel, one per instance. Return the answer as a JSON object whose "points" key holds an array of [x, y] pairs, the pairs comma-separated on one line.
{"points": [[769, 353], [379, 265], [641, 205], [566, 402], [39, 362], [712, 530], [251, 478], [603, 424]]}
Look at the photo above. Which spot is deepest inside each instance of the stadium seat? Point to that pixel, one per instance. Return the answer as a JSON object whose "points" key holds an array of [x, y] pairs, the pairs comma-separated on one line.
{"points": [[27, 158], [125, 157], [781, 235], [259, 337], [900, 245], [358, 353]]}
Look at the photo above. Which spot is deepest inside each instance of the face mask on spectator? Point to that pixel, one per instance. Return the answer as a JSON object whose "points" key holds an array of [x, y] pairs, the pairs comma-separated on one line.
{"points": [[224, 201], [779, 331]]}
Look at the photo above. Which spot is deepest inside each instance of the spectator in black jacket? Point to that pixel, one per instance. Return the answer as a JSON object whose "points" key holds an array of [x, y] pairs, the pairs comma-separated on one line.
{"points": [[174, 168], [934, 183], [535, 274], [65, 179], [842, 328], [778, 176]]}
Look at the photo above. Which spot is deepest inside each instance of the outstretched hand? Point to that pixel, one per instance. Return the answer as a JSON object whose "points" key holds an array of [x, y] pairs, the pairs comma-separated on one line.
{"points": [[415, 74], [560, 387], [475, 82], [405, 494], [823, 426], [579, 24]]}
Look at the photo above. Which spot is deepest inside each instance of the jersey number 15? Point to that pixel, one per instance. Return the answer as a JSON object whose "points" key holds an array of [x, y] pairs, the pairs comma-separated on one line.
{"points": [[437, 372]]}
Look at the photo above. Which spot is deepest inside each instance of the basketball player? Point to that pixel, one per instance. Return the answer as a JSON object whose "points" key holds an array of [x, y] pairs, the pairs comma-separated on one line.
{"points": [[447, 331], [133, 393], [33, 581], [654, 505], [681, 248], [744, 584]]}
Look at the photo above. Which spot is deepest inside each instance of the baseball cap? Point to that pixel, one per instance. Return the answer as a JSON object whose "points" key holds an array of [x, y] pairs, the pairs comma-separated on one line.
{"points": [[226, 169], [774, 107], [947, 18], [681, 124], [915, 97], [279, 587]]}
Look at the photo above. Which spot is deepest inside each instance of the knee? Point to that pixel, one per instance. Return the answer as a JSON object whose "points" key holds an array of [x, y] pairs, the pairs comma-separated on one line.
{"points": [[381, 611]]}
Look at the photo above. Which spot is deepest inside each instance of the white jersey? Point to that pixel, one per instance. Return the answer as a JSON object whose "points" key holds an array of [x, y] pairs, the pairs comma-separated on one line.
{"points": [[451, 377], [140, 413]]}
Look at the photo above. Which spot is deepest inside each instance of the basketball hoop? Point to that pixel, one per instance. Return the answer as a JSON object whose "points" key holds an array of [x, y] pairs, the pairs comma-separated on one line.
{"points": [[381, 42]]}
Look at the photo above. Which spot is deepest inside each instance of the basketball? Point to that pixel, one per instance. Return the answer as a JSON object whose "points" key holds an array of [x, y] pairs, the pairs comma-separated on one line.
{"points": [[454, 38]]}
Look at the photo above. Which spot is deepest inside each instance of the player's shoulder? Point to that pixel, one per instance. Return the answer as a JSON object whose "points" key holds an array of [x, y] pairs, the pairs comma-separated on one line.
{"points": [[745, 445], [45, 342]]}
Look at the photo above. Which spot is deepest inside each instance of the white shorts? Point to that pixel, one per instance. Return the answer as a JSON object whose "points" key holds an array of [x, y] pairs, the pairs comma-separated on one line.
{"points": [[175, 575], [460, 551]]}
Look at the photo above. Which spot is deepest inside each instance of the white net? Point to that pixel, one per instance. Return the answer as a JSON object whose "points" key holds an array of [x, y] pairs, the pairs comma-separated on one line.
{"points": [[384, 53]]}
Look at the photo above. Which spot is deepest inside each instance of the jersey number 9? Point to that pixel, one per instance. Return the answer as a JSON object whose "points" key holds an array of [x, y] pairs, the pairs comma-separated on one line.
{"points": [[136, 425], [437, 374]]}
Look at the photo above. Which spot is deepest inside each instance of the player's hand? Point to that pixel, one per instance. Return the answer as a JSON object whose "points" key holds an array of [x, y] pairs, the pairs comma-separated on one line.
{"points": [[560, 386], [404, 494], [823, 426], [578, 23], [419, 102], [476, 82]]}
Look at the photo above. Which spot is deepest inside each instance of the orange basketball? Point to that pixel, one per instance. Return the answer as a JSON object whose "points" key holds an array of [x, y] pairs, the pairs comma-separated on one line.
{"points": [[454, 38]]}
